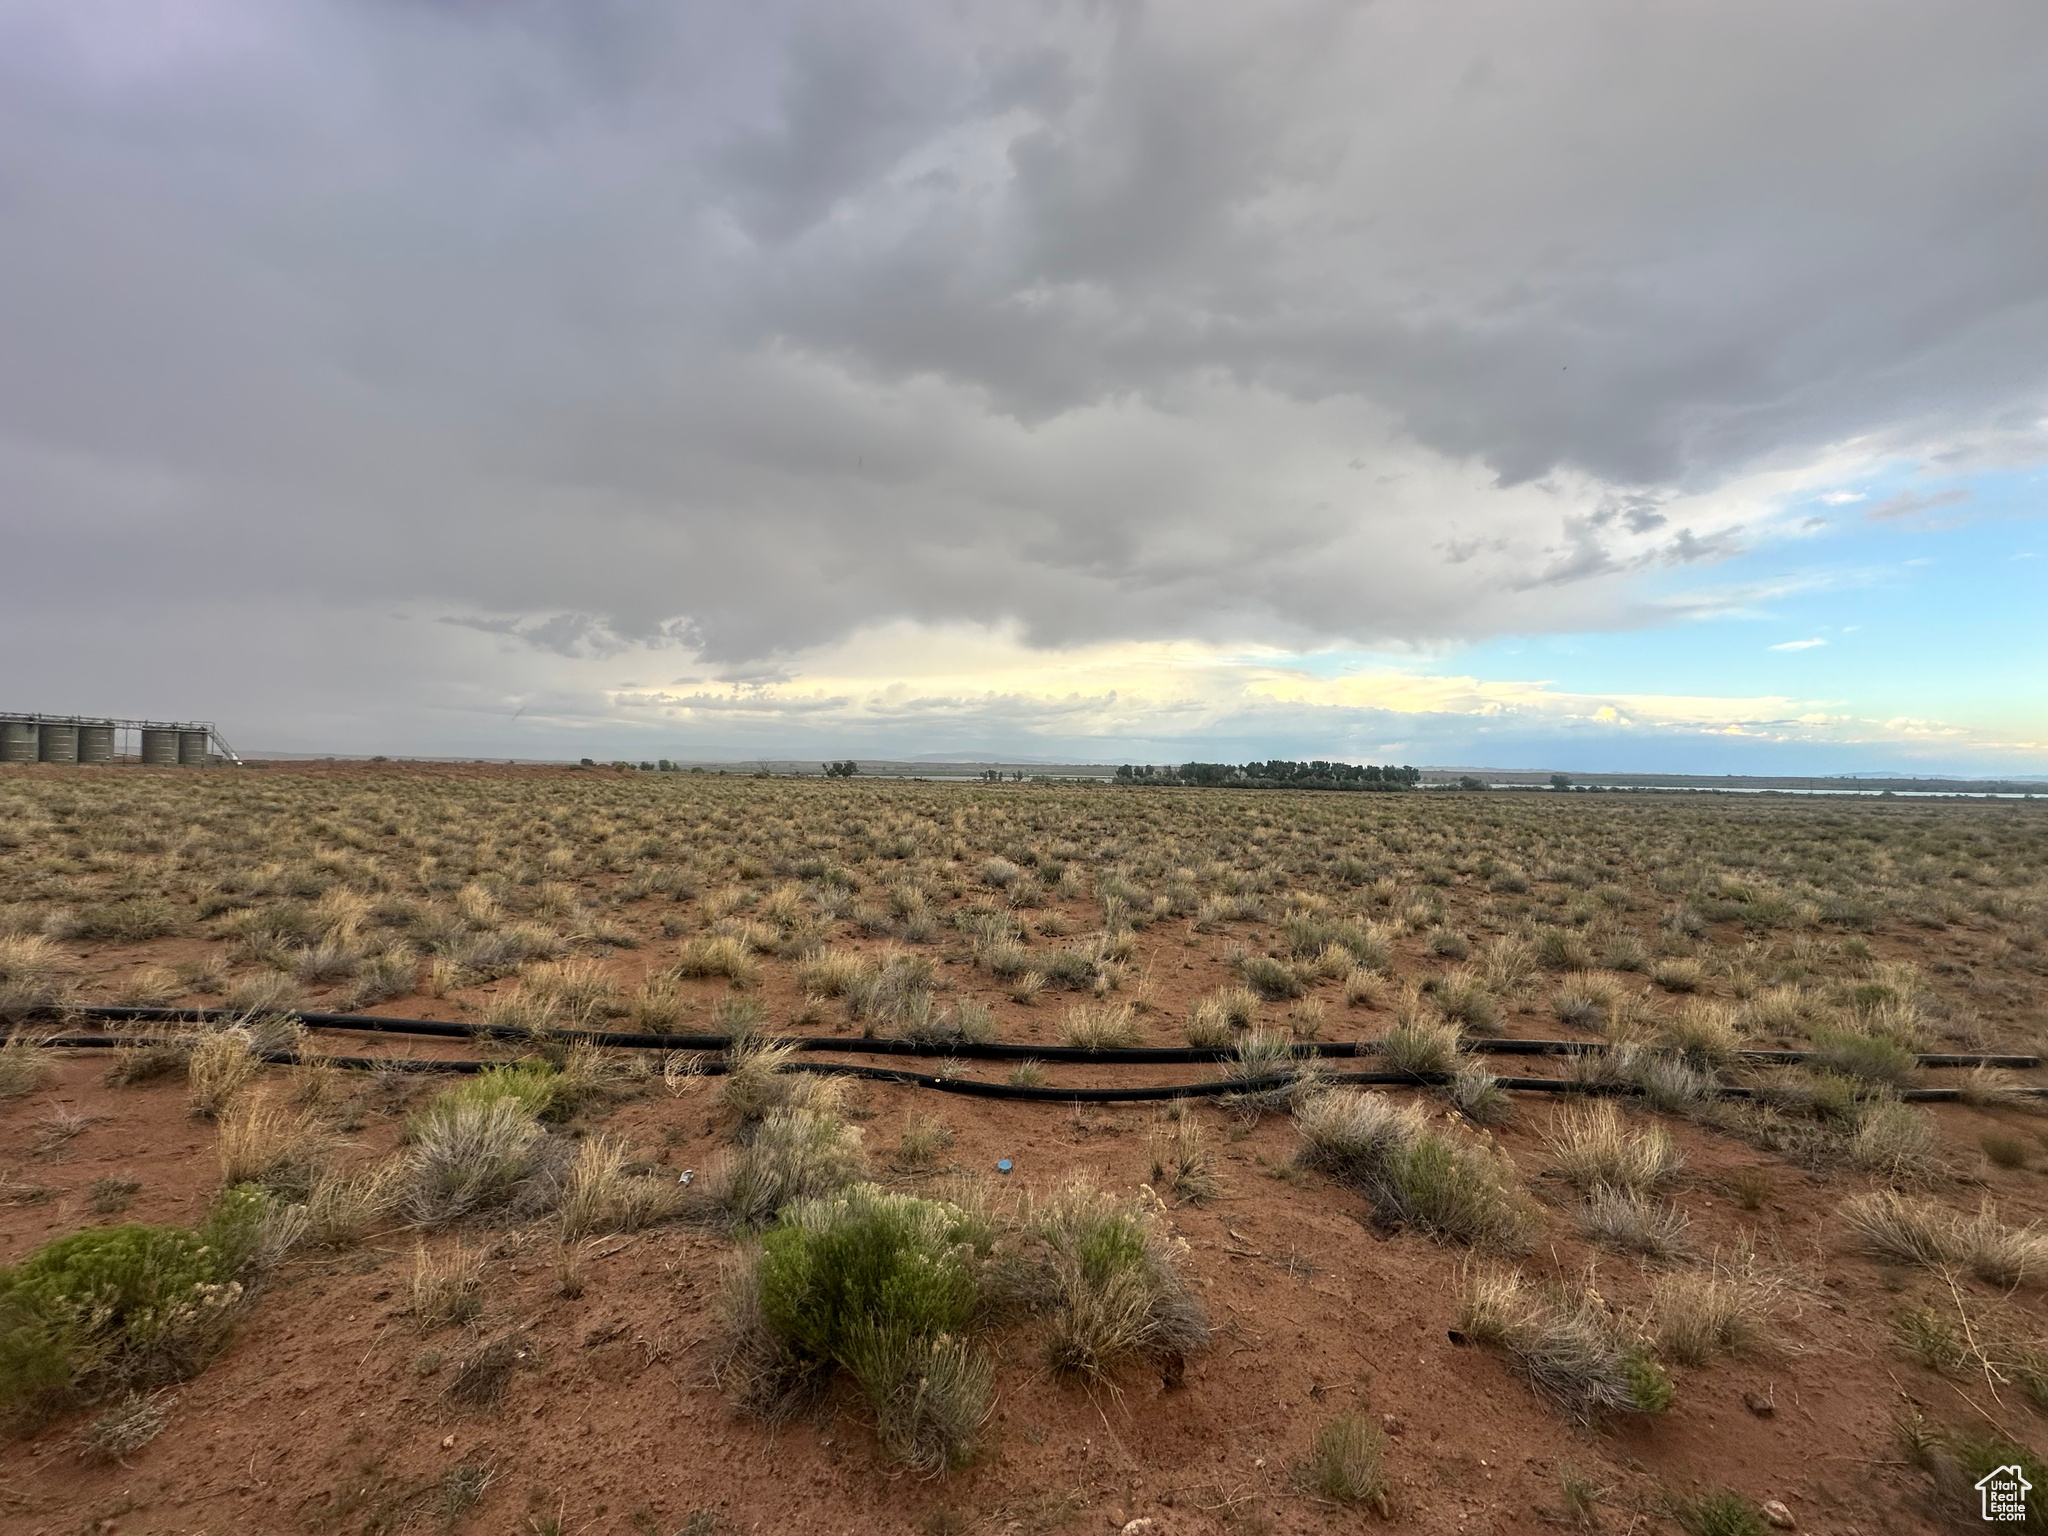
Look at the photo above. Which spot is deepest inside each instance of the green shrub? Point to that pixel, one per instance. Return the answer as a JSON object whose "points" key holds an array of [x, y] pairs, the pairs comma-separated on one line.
{"points": [[883, 1287], [118, 1309], [535, 1086]]}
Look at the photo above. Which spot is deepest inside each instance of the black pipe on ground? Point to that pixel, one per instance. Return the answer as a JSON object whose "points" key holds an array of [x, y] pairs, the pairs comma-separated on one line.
{"points": [[969, 1087], [965, 1051]]}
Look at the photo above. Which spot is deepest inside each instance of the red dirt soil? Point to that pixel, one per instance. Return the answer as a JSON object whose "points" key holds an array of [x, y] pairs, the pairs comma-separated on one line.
{"points": [[322, 1416], [328, 1415]]}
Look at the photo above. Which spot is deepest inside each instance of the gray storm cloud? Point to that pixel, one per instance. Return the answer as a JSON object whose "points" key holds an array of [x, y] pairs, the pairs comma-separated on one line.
{"points": [[749, 325]]}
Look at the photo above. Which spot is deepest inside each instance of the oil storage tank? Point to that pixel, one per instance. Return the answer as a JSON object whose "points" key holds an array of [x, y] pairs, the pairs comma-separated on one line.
{"points": [[96, 743], [57, 744], [192, 748], [17, 741], [160, 748]]}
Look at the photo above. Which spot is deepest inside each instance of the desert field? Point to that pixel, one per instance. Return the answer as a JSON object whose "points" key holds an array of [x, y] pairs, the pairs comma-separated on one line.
{"points": [[715, 1285]]}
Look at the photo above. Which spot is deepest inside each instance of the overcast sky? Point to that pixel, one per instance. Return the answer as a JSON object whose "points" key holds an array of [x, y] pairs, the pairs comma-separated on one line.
{"points": [[1550, 385]]}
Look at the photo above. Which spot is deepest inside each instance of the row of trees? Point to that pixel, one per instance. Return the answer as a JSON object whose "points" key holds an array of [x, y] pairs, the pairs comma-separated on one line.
{"points": [[1276, 773]]}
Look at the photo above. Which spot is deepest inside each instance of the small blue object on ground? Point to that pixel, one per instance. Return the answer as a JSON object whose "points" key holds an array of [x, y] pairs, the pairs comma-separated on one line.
{"points": [[1003, 1165]]}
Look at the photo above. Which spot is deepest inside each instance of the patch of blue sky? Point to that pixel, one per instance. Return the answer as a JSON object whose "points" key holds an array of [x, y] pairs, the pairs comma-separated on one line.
{"points": [[1928, 597]]}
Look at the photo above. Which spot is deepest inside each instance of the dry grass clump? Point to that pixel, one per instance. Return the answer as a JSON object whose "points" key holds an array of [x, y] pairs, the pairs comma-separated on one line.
{"points": [[1422, 1044], [1365, 989], [761, 1077], [26, 1066], [1998, 1344], [1911, 1230], [1100, 1026], [795, 1154], [1703, 1035], [445, 1288], [834, 973], [576, 992], [137, 1064], [922, 1142], [112, 1437], [1208, 1026], [1343, 1463], [482, 1375], [469, 1154], [267, 992], [1680, 974], [154, 986], [1106, 1282], [1570, 1344], [1594, 1149], [1183, 1169], [602, 1192], [1895, 1141], [1476, 1093], [1237, 1007], [1464, 999], [1630, 1222], [894, 992], [658, 1007], [1307, 1017], [1510, 963], [1721, 1308], [755, 1081], [1274, 980], [719, 955], [343, 1207], [1986, 1087], [221, 1065], [1271, 1071], [964, 1023], [272, 1147], [1454, 1190], [31, 975], [1870, 1058], [1560, 949]]}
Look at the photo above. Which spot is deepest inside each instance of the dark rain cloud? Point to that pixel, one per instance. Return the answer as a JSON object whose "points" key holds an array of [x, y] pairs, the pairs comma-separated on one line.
{"points": [[743, 326]]}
